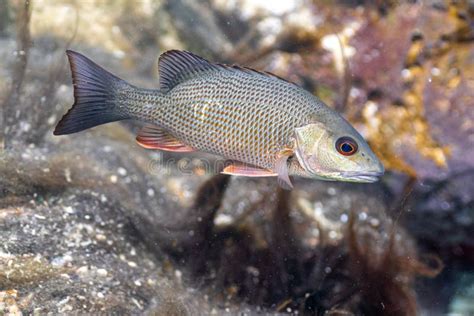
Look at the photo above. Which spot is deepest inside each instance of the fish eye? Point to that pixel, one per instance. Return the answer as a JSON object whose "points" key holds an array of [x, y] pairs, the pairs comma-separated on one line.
{"points": [[346, 146]]}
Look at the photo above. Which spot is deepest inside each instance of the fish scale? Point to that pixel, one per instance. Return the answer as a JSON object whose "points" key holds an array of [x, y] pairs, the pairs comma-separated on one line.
{"points": [[250, 127]]}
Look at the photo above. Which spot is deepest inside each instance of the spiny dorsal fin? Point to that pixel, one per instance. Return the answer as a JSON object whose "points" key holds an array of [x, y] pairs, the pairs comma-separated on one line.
{"points": [[177, 66], [153, 137], [254, 72]]}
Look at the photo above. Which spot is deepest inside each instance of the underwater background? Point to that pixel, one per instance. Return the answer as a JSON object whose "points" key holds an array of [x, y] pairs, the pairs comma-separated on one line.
{"points": [[94, 223]]}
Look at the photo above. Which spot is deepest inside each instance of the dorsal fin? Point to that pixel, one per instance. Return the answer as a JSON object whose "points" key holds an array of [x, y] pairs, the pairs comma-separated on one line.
{"points": [[254, 72], [176, 66]]}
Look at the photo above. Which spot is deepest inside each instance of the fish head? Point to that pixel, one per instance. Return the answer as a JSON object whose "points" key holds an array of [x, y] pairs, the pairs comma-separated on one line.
{"points": [[337, 152]]}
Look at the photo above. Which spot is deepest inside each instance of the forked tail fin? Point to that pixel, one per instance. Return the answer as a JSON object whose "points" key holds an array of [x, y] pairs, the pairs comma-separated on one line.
{"points": [[95, 96]]}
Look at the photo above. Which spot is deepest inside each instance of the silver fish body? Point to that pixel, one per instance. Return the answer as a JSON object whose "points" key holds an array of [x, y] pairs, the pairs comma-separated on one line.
{"points": [[241, 116], [251, 117]]}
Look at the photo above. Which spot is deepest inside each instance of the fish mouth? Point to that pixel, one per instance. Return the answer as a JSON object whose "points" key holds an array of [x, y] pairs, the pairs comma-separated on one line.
{"points": [[366, 177]]}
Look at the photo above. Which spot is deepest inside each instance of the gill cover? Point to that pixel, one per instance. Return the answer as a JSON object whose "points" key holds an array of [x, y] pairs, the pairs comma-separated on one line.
{"points": [[307, 139]]}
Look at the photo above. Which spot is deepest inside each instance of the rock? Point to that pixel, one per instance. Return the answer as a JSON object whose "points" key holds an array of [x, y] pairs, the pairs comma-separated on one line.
{"points": [[441, 214], [464, 295], [60, 235]]}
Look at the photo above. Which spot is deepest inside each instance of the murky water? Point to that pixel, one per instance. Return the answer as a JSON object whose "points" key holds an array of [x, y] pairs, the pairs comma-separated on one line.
{"points": [[92, 222]]}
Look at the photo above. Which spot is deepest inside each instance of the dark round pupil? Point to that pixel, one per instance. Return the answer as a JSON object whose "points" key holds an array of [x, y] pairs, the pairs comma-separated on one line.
{"points": [[346, 147]]}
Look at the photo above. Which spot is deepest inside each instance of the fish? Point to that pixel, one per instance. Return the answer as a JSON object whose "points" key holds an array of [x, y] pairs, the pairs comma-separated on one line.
{"points": [[265, 125]]}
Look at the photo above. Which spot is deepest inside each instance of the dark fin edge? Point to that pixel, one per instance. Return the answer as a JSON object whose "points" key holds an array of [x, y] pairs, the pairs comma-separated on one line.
{"points": [[95, 91], [177, 66], [255, 72]]}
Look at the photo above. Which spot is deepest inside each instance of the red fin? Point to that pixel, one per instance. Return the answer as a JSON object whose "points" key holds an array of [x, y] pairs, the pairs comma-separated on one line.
{"points": [[241, 169], [153, 137]]}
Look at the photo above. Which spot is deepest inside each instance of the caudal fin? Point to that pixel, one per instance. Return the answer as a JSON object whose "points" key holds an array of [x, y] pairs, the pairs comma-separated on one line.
{"points": [[95, 96]]}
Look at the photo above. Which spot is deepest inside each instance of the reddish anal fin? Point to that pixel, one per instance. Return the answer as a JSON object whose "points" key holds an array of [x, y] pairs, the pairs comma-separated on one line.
{"points": [[153, 137], [241, 169]]}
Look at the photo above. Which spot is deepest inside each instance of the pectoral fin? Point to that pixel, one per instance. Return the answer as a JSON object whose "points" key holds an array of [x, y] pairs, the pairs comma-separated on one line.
{"points": [[153, 137], [281, 168], [241, 169]]}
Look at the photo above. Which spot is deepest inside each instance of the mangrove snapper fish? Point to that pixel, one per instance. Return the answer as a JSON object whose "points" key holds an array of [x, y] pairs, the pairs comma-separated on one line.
{"points": [[267, 126]]}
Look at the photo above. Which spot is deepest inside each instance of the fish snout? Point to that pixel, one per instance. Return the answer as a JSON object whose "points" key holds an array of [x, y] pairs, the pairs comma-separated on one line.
{"points": [[371, 170], [364, 176], [379, 169]]}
